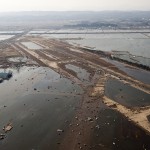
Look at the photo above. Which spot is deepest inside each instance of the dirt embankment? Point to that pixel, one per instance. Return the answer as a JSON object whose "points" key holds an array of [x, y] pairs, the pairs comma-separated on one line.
{"points": [[79, 134]]}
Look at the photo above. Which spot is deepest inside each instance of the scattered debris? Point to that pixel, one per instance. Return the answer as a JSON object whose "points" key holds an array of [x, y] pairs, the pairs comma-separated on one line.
{"points": [[148, 118], [8, 127], [97, 126], [89, 119], [101, 145], [2, 136], [96, 118], [76, 117], [59, 130], [5, 76], [113, 106], [1, 80]]}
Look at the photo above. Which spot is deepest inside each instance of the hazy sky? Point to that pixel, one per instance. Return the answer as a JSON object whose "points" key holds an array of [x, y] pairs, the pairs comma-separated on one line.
{"points": [[59, 5]]}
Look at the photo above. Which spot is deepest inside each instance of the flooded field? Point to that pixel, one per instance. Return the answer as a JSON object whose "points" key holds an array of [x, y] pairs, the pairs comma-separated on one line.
{"points": [[135, 43], [137, 73], [82, 74], [10, 32], [125, 94], [4, 37], [112, 131], [18, 59], [125, 55], [31, 45]]}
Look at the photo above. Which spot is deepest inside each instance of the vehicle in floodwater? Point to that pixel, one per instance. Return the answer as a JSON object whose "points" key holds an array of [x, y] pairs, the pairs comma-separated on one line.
{"points": [[5, 76]]}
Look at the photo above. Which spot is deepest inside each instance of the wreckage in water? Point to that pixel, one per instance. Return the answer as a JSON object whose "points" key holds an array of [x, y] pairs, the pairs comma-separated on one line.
{"points": [[5, 76]]}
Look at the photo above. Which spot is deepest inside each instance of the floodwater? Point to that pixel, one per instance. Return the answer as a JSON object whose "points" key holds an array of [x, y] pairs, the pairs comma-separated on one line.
{"points": [[82, 74], [18, 59], [125, 55], [135, 43], [113, 132], [5, 37], [31, 45], [125, 94], [137, 73], [38, 31], [10, 32], [37, 102]]}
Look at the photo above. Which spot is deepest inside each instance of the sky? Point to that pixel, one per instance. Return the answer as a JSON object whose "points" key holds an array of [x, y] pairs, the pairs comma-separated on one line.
{"points": [[73, 5]]}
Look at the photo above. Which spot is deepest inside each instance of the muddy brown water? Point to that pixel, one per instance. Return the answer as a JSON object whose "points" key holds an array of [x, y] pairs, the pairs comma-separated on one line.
{"points": [[125, 94], [37, 102]]}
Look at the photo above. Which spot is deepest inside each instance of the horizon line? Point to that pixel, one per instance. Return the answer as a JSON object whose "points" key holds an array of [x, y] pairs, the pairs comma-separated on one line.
{"points": [[13, 11]]}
